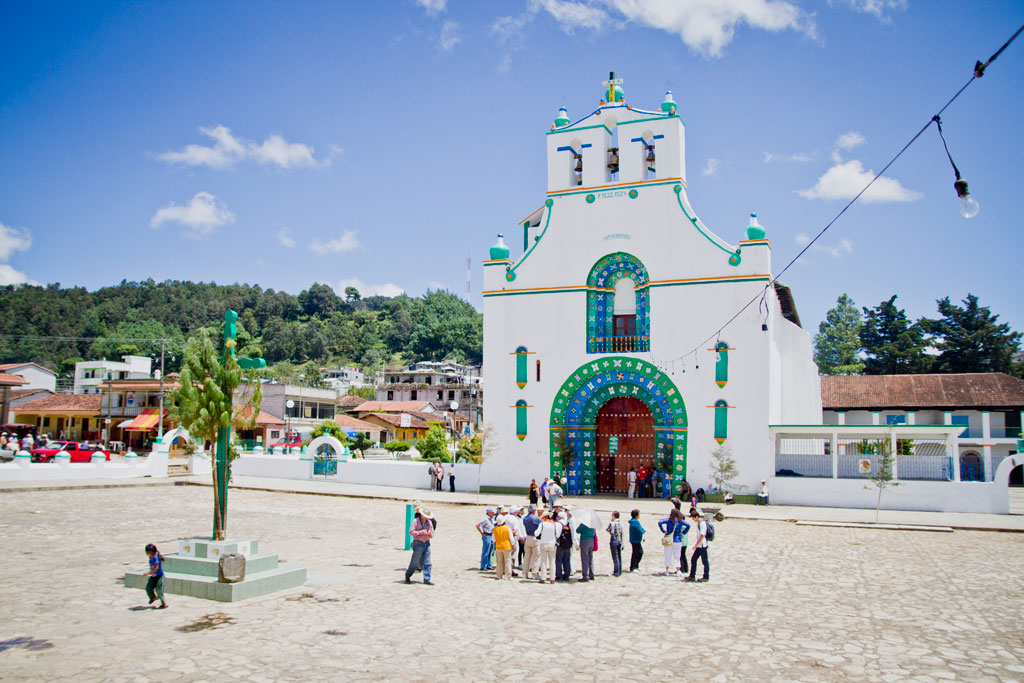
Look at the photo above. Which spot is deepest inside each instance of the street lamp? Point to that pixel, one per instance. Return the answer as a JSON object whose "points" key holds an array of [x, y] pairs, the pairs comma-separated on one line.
{"points": [[454, 405], [289, 404]]}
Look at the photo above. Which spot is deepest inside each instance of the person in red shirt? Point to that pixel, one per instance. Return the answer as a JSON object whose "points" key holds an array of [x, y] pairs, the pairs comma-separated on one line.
{"points": [[641, 477]]}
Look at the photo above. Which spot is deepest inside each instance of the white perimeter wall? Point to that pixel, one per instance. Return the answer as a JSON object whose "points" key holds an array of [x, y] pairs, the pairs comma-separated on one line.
{"points": [[22, 470]]}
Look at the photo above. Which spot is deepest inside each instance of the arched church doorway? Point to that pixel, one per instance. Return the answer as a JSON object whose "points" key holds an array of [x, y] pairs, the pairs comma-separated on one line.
{"points": [[625, 439]]}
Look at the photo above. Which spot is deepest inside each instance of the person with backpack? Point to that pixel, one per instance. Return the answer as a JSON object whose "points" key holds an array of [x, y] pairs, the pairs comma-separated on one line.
{"points": [[614, 529], [705, 533], [547, 533], [563, 553]]}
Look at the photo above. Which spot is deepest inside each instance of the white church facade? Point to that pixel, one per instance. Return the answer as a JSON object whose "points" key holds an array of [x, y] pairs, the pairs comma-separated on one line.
{"points": [[600, 341]]}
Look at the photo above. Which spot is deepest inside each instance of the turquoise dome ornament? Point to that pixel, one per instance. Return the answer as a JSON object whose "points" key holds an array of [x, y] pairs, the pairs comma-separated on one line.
{"points": [[669, 105], [755, 231], [562, 119], [499, 250]]}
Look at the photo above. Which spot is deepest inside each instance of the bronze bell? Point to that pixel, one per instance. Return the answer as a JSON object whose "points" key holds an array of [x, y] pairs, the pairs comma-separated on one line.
{"points": [[650, 155], [613, 160], [579, 163]]}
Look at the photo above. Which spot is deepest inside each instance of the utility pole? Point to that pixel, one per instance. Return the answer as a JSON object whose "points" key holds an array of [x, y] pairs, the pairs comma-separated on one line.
{"points": [[160, 415]]}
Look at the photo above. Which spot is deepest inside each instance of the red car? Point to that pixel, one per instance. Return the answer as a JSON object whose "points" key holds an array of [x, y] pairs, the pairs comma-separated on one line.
{"points": [[77, 452], [290, 441]]}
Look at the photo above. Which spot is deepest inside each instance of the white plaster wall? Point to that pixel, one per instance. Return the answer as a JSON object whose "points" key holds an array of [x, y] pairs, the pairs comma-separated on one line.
{"points": [[21, 470], [407, 474], [800, 383], [281, 466], [37, 378], [909, 495]]}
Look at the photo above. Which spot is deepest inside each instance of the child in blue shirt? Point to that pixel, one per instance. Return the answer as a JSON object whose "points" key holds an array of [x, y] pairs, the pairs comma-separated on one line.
{"points": [[636, 539], [155, 584]]}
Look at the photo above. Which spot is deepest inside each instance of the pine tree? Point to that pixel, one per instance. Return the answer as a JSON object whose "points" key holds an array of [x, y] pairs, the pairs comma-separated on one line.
{"points": [[837, 344], [970, 339], [892, 344]]}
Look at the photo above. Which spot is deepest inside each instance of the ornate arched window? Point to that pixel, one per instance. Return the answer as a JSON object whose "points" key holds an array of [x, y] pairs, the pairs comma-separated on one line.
{"points": [[618, 305]]}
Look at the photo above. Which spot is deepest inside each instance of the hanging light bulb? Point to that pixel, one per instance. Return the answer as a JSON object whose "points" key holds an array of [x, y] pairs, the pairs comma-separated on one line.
{"points": [[969, 206]]}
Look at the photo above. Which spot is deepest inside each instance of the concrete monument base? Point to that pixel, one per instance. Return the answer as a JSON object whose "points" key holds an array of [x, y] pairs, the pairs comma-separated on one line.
{"points": [[193, 571]]}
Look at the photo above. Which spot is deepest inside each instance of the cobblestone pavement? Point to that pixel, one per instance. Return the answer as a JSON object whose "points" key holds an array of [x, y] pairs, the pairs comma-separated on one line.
{"points": [[784, 603]]}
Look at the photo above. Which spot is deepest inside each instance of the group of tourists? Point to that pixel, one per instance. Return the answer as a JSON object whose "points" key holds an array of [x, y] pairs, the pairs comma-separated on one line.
{"points": [[540, 542], [437, 473], [11, 442]]}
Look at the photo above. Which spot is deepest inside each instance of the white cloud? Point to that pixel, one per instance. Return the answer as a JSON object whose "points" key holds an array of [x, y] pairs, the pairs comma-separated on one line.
{"points": [[799, 157], [276, 150], [711, 167], [201, 215], [850, 140], [510, 29], [386, 289], [449, 37], [13, 240], [571, 15], [844, 247], [845, 180], [285, 239], [345, 242], [504, 65], [433, 6], [228, 150], [707, 26], [878, 8]]}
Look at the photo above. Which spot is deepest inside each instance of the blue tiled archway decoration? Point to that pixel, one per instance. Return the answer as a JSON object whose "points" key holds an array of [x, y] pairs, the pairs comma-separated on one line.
{"points": [[574, 416], [601, 301]]}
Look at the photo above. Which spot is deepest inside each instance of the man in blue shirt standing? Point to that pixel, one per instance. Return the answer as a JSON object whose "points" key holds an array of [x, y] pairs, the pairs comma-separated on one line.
{"points": [[486, 528], [531, 559]]}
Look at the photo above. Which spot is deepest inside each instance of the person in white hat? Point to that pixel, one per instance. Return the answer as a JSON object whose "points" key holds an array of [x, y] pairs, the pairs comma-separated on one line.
{"points": [[503, 543], [516, 520], [486, 528], [422, 530]]}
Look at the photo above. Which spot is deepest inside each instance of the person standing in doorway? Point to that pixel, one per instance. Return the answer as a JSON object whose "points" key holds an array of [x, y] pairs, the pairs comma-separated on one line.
{"points": [[422, 531], [631, 480], [615, 543], [636, 540], [486, 528], [641, 479], [700, 548]]}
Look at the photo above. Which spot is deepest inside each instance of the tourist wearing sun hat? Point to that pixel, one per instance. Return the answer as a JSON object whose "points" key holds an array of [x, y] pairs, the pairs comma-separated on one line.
{"points": [[503, 542], [422, 530], [486, 528]]}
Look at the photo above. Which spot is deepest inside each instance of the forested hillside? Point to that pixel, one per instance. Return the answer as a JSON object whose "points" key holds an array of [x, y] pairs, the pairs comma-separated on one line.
{"points": [[317, 325]]}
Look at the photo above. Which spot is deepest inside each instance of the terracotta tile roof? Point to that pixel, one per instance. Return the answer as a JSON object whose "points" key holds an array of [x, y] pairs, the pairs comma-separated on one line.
{"points": [[350, 401], [10, 366], [11, 380], [428, 417], [262, 418], [395, 420], [349, 422], [965, 390], [139, 385], [392, 406], [18, 393], [62, 403]]}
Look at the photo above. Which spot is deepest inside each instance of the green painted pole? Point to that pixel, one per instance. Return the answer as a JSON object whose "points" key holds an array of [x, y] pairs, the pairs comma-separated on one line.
{"points": [[223, 444], [408, 525]]}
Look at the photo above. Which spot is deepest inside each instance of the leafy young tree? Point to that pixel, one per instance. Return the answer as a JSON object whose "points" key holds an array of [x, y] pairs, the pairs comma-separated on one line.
{"points": [[837, 344], [397, 446], [892, 344], [469, 449], [361, 442], [330, 428], [434, 445], [723, 469], [970, 339], [881, 478], [203, 402], [369, 393]]}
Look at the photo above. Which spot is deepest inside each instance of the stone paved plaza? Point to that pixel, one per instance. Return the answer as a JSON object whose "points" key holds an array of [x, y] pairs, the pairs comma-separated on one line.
{"points": [[785, 602]]}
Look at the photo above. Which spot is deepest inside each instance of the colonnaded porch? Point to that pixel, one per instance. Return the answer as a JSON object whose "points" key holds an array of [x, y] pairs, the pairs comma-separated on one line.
{"points": [[833, 465]]}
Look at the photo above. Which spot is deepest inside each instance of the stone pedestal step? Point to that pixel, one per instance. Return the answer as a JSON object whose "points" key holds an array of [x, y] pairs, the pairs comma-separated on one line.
{"points": [[209, 588], [206, 566]]}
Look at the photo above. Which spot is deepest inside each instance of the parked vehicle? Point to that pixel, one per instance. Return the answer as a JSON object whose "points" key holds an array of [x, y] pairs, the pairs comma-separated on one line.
{"points": [[291, 441], [77, 451]]}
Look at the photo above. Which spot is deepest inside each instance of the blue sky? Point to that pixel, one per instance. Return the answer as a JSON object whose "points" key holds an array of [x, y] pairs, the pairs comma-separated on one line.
{"points": [[378, 144]]}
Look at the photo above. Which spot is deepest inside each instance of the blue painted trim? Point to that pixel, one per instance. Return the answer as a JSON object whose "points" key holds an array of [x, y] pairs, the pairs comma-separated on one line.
{"points": [[648, 144], [568, 148]]}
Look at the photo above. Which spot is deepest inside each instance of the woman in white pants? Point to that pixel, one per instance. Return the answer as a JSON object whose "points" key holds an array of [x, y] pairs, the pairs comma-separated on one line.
{"points": [[675, 529], [547, 532]]}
